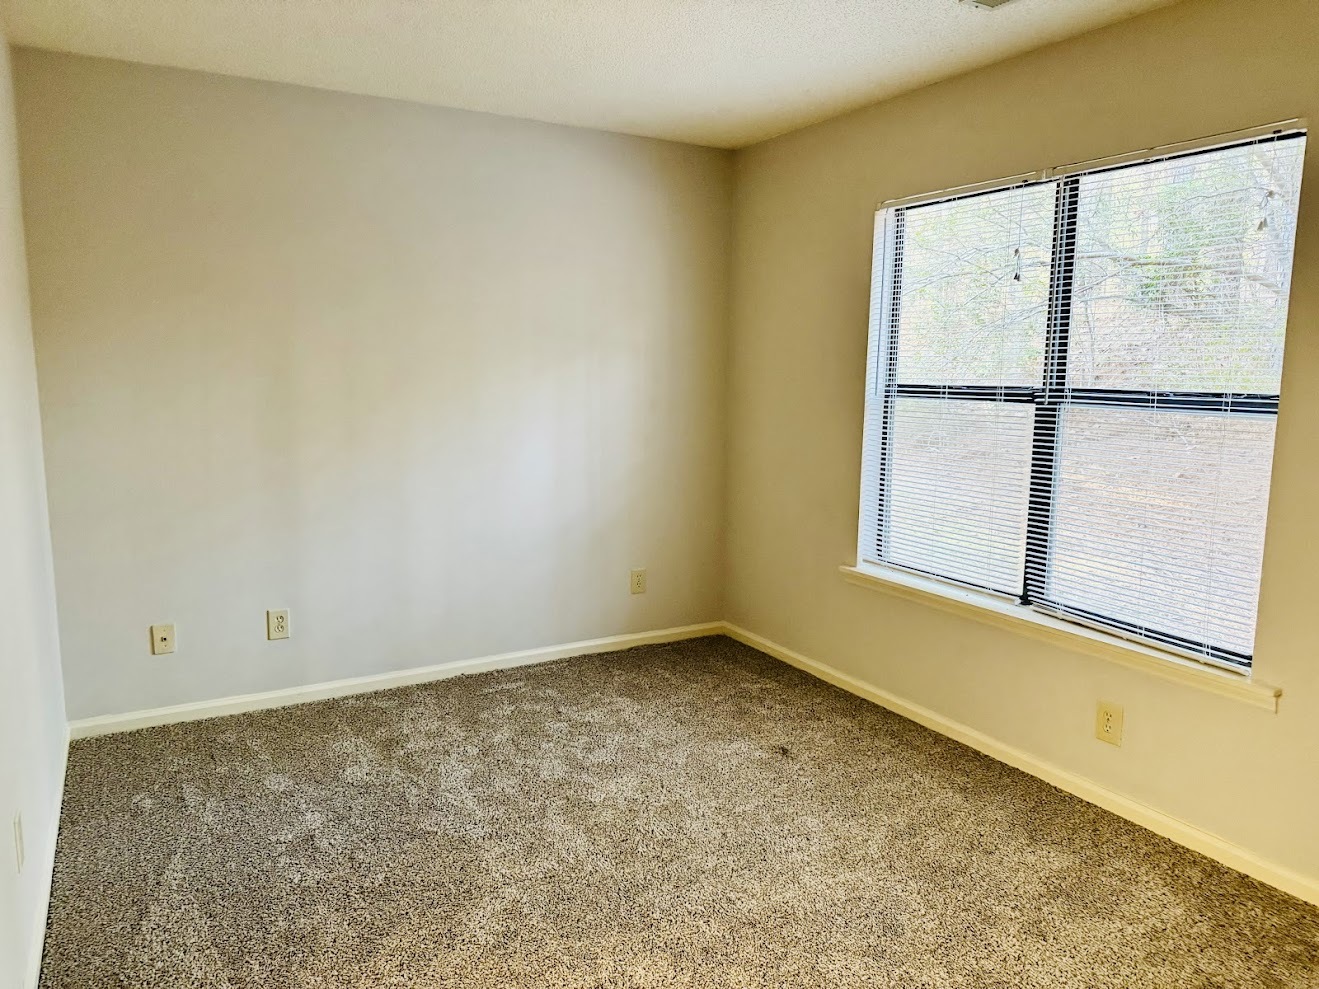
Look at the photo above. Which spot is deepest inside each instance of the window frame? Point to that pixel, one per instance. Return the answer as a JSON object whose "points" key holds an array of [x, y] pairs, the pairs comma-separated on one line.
{"points": [[1049, 398]]}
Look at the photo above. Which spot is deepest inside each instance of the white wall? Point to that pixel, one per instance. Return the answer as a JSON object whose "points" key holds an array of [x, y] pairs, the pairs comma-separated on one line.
{"points": [[805, 207], [32, 726], [433, 380]]}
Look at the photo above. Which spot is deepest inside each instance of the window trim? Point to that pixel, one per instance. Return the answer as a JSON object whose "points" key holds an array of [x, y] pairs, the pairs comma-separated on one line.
{"points": [[1049, 399], [1003, 612]]}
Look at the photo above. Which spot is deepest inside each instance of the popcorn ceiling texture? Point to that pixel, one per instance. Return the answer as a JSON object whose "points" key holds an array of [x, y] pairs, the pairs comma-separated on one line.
{"points": [[719, 72], [693, 814]]}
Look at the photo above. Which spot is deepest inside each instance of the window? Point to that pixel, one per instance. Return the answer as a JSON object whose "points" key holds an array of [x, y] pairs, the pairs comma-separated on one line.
{"points": [[1073, 386]]}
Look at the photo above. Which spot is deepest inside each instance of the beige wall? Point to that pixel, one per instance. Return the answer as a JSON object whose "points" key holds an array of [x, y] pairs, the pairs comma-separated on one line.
{"points": [[32, 726], [805, 205], [433, 380]]}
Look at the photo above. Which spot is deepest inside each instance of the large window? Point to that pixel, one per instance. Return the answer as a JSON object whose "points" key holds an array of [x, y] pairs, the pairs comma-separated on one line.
{"points": [[1073, 386]]}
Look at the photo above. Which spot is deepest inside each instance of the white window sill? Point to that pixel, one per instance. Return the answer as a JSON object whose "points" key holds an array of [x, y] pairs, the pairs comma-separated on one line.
{"points": [[995, 611]]}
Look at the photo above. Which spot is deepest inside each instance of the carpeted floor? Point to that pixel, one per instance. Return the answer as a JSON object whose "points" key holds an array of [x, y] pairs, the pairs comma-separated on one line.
{"points": [[686, 815]]}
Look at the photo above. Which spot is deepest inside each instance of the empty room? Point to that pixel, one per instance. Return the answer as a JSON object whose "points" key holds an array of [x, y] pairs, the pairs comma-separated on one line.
{"points": [[659, 493]]}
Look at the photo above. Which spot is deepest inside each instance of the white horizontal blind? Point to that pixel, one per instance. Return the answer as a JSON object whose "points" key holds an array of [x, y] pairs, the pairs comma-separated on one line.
{"points": [[959, 479], [1073, 385], [1159, 522], [1182, 271], [1165, 444], [962, 346], [975, 289]]}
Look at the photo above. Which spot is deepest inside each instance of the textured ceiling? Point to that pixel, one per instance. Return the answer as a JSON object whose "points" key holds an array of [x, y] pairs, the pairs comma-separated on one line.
{"points": [[718, 72]]}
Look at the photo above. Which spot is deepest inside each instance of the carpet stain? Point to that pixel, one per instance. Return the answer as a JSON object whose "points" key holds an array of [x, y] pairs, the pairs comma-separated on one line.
{"points": [[685, 815]]}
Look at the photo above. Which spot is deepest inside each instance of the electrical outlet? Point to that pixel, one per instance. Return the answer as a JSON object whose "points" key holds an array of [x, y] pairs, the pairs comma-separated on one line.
{"points": [[162, 639], [19, 855], [637, 582], [277, 624], [1108, 723]]}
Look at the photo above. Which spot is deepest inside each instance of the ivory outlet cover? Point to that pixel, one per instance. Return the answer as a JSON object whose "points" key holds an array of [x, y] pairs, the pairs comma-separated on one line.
{"points": [[162, 639], [277, 624], [1108, 723]]}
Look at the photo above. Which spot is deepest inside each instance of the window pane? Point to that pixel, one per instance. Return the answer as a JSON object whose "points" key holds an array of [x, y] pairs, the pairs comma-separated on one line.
{"points": [[1182, 272], [975, 289], [958, 489], [1159, 520]]}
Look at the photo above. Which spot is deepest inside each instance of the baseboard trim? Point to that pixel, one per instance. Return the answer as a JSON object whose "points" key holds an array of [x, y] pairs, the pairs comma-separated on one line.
{"points": [[1209, 844], [36, 948], [200, 710], [1182, 832]]}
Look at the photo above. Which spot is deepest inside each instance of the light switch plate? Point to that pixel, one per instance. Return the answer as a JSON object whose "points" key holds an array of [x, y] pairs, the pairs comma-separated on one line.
{"points": [[277, 624], [162, 639]]}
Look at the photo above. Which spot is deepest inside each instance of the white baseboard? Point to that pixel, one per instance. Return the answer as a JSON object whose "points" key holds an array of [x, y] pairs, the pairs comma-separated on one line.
{"points": [[111, 723], [1211, 845], [47, 862]]}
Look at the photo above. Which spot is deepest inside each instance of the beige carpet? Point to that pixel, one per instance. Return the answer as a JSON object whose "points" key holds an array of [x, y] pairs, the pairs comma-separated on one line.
{"points": [[687, 815]]}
